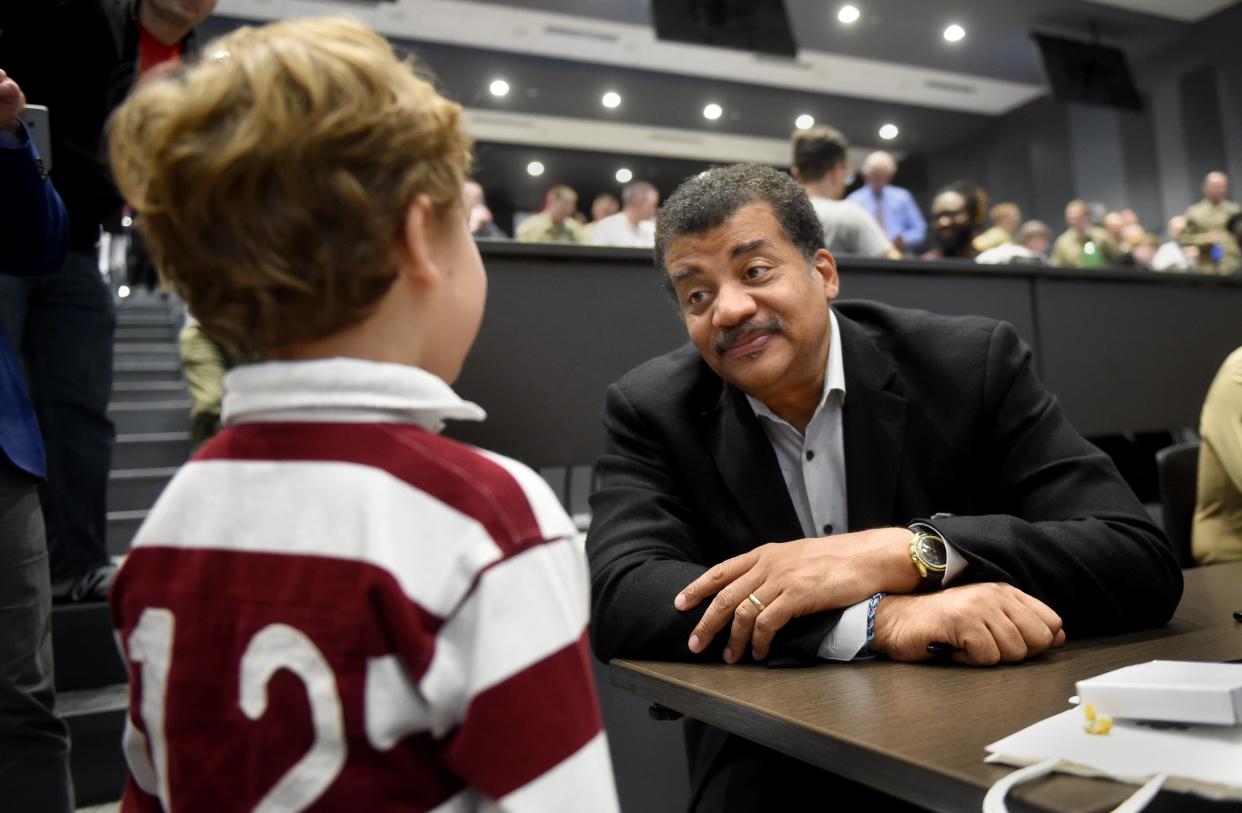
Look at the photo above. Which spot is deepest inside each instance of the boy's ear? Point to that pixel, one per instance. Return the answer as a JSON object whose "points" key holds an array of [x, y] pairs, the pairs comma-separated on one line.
{"points": [[414, 255]]}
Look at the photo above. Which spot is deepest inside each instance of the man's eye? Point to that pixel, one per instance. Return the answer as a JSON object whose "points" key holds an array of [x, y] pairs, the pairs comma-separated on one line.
{"points": [[696, 298], [756, 271]]}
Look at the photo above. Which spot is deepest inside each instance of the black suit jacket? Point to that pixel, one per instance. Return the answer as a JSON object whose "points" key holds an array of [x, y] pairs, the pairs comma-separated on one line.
{"points": [[941, 414]]}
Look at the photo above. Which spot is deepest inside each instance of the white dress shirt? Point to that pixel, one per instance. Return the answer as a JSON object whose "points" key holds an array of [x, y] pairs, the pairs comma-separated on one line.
{"points": [[617, 230], [813, 465]]}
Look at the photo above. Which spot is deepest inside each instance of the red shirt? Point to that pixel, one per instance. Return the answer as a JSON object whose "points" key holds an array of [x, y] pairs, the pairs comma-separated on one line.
{"points": [[152, 52]]}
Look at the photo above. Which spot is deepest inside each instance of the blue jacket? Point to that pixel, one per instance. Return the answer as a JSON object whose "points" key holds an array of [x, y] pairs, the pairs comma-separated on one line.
{"points": [[34, 237]]}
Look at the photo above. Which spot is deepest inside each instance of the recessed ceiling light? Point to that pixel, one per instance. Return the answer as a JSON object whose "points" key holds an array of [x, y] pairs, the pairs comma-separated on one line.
{"points": [[889, 131], [849, 14], [624, 175], [712, 111], [805, 121], [499, 87], [954, 33], [611, 99], [534, 168]]}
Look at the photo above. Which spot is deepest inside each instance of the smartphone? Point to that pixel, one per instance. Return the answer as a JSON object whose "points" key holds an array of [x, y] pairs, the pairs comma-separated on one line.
{"points": [[39, 126]]}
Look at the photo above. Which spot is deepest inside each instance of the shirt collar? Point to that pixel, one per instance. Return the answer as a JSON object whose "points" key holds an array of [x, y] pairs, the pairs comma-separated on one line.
{"points": [[342, 389], [834, 376]]}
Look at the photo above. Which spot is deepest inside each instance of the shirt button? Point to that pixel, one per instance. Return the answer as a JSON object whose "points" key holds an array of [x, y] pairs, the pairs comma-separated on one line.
{"points": [[828, 529], [810, 455]]}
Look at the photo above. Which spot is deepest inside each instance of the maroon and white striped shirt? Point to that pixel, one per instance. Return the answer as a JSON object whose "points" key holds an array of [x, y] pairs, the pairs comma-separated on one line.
{"points": [[332, 607]]}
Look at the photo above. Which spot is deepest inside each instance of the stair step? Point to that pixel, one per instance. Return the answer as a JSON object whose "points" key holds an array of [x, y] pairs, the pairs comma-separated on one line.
{"points": [[151, 450], [137, 417], [129, 318], [84, 647], [145, 334], [136, 489], [96, 720], [122, 525], [146, 371], [131, 391], [146, 351]]}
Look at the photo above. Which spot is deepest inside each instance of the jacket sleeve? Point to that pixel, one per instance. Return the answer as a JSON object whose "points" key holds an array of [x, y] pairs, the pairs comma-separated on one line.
{"points": [[1063, 526], [643, 549], [34, 227]]}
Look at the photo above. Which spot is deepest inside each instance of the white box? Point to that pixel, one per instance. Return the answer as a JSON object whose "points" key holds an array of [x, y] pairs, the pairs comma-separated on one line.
{"points": [[1168, 691]]}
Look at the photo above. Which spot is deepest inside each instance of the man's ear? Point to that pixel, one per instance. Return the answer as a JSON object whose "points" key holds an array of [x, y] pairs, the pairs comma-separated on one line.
{"points": [[794, 172], [414, 254], [826, 265]]}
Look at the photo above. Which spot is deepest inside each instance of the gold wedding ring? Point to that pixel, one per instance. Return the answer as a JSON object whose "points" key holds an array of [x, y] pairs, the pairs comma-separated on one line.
{"points": [[759, 605]]}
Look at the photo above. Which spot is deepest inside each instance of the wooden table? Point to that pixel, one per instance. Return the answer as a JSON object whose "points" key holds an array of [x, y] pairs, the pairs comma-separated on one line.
{"points": [[918, 731]]}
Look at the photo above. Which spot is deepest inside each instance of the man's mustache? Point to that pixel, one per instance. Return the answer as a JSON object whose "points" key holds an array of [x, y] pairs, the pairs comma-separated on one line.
{"points": [[740, 334]]}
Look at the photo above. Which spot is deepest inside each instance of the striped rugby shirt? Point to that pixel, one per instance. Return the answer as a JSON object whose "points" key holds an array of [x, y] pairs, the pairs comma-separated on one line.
{"points": [[332, 607]]}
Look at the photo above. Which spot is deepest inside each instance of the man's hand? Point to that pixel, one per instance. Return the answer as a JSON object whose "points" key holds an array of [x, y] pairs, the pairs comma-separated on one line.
{"points": [[985, 623], [794, 579], [12, 104]]}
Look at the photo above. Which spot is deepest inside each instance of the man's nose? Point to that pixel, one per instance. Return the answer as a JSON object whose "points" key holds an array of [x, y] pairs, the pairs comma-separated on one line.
{"points": [[734, 305]]}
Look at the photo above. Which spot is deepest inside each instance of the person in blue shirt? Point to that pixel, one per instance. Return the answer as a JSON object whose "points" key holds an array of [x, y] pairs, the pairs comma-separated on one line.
{"points": [[34, 742], [892, 207]]}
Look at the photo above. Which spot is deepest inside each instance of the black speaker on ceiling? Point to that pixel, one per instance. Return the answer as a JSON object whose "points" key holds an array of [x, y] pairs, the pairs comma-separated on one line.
{"points": [[761, 26], [1087, 72]]}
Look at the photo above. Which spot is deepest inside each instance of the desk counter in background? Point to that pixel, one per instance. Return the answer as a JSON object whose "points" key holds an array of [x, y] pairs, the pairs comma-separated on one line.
{"points": [[1123, 350]]}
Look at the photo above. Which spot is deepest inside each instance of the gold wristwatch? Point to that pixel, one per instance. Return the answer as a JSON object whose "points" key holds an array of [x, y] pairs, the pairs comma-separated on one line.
{"points": [[929, 555]]}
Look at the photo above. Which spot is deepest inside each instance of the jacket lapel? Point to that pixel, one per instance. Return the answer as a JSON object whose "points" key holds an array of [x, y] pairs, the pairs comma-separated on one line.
{"points": [[749, 468], [873, 423]]}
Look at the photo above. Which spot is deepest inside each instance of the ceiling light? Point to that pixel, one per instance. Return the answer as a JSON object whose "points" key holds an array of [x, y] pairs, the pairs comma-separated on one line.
{"points": [[499, 87], [123, 291], [954, 33], [624, 175], [712, 111], [849, 14], [889, 131], [611, 99], [534, 168], [805, 121]]}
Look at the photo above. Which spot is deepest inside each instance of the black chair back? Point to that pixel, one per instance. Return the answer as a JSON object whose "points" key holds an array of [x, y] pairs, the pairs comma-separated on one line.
{"points": [[1178, 470]]}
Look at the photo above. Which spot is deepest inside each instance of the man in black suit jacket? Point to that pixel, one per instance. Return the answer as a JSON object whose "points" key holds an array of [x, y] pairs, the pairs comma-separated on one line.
{"points": [[968, 513]]}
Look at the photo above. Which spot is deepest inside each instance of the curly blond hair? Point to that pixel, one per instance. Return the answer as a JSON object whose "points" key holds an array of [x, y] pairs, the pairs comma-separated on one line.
{"points": [[273, 175]]}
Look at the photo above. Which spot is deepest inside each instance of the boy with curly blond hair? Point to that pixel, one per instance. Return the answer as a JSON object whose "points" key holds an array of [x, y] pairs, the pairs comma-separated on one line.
{"points": [[332, 606]]}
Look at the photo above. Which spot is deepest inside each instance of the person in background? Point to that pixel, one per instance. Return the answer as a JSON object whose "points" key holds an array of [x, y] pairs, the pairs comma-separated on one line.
{"points": [[204, 362], [1172, 255], [1082, 245], [1206, 223], [34, 741], [329, 569], [604, 205], [1114, 224], [478, 216], [80, 58], [892, 207], [634, 225], [1217, 532], [819, 164], [956, 217], [1006, 218], [1033, 240], [1142, 251], [556, 223]]}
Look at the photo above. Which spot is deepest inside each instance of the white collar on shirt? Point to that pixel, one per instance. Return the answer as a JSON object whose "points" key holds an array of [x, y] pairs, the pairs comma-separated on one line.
{"points": [[342, 389], [834, 376]]}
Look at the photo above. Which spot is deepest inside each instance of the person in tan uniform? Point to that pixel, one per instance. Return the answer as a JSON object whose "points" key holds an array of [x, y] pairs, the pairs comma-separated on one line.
{"points": [[1217, 534], [1082, 245], [555, 224], [1006, 217], [1206, 223]]}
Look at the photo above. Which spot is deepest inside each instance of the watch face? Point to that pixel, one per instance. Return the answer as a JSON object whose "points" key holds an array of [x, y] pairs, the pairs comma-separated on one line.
{"points": [[932, 552]]}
